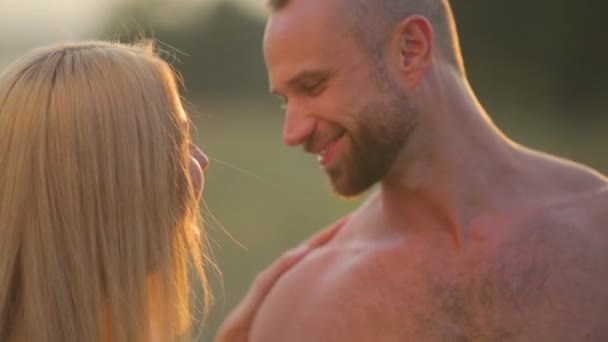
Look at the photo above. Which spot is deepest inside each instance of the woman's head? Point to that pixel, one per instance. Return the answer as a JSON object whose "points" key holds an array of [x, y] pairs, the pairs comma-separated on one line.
{"points": [[98, 197]]}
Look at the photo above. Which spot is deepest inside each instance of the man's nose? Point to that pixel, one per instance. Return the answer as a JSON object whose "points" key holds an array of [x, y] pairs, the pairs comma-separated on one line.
{"points": [[297, 127]]}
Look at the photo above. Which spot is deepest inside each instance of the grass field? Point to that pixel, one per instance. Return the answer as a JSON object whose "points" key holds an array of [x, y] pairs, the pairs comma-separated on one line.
{"points": [[270, 197]]}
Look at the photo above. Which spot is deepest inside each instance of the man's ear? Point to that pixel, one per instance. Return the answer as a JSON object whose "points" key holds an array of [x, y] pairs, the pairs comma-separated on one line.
{"points": [[413, 46]]}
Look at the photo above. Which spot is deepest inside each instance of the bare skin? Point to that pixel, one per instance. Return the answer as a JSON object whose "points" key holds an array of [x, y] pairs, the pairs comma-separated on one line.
{"points": [[533, 272], [237, 326], [468, 237]]}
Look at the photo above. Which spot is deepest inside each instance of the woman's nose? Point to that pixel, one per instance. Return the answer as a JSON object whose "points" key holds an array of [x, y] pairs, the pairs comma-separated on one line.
{"points": [[200, 157]]}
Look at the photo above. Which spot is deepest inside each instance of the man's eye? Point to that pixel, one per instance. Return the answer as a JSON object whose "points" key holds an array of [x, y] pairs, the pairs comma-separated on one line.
{"points": [[313, 89]]}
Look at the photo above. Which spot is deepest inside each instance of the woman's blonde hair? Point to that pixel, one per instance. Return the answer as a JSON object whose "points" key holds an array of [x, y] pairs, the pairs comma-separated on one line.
{"points": [[98, 212]]}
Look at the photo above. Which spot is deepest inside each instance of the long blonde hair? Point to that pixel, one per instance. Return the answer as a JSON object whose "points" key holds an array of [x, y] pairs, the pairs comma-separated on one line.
{"points": [[98, 213]]}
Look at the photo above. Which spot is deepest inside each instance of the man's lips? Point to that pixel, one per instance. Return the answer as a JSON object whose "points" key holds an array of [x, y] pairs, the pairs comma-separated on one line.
{"points": [[327, 154]]}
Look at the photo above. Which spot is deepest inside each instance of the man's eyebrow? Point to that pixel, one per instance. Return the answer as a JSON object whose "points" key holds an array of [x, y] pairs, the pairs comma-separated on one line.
{"points": [[306, 75]]}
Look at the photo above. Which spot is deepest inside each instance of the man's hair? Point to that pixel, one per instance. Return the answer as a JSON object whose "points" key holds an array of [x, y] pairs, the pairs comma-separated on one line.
{"points": [[98, 214], [374, 20]]}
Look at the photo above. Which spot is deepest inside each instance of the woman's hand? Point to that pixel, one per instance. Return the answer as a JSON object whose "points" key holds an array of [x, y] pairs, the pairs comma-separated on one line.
{"points": [[238, 324]]}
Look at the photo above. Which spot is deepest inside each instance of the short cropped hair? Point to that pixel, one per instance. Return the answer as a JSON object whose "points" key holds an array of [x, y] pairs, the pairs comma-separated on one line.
{"points": [[375, 19]]}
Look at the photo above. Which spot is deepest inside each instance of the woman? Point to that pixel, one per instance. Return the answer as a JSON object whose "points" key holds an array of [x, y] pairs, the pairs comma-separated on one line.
{"points": [[99, 191]]}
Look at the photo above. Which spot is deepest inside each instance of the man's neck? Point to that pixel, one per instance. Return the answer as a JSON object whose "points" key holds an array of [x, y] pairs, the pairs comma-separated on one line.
{"points": [[457, 165]]}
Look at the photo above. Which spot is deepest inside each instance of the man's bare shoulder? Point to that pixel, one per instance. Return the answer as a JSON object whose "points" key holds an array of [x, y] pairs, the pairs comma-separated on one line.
{"points": [[573, 198], [578, 208], [576, 225], [340, 292]]}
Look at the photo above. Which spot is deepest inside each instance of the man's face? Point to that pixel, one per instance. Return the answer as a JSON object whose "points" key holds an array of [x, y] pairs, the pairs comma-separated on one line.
{"points": [[340, 104]]}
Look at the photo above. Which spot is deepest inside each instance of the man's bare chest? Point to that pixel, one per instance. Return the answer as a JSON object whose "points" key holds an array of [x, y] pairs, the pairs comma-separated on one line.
{"points": [[424, 295], [446, 298]]}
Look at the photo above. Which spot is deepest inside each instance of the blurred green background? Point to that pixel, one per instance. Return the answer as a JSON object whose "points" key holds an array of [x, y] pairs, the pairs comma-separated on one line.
{"points": [[539, 68]]}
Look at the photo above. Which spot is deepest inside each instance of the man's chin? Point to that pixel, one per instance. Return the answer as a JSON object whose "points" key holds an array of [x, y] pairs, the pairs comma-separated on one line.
{"points": [[349, 189], [349, 182]]}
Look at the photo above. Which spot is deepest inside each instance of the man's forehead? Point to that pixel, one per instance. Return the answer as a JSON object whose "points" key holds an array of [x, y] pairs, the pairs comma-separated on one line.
{"points": [[304, 24], [288, 42], [304, 36], [301, 5], [305, 13]]}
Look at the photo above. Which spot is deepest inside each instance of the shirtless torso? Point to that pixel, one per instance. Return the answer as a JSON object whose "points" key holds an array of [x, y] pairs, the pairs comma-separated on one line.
{"points": [[471, 236], [533, 273]]}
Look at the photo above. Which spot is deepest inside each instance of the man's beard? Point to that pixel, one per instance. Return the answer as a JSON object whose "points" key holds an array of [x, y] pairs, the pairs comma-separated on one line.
{"points": [[384, 130]]}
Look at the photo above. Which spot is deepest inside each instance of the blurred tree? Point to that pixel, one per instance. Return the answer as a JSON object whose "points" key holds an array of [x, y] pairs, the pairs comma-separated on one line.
{"points": [[543, 50], [554, 45], [217, 50]]}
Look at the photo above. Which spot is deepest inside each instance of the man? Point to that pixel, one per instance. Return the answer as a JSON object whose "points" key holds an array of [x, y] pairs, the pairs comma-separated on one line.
{"points": [[469, 236]]}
